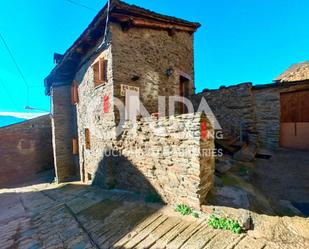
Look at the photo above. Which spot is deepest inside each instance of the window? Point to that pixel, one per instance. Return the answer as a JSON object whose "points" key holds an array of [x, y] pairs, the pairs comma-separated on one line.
{"points": [[75, 146], [100, 72], [87, 138], [74, 93]]}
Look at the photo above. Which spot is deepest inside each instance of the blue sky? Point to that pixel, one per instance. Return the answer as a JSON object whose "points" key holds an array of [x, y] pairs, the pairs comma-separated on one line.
{"points": [[239, 40]]}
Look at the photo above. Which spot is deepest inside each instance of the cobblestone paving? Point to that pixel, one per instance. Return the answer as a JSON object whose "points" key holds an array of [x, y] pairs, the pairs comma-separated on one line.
{"points": [[79, 216]]}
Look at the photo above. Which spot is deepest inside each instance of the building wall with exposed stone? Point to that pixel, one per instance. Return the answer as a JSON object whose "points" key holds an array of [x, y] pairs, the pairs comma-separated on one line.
{"points": [[63, 132], [253, 109], [268, 111], [141, 58], [164, 156], [234, 110], [91, 115], [153, 159], [25, 151]]}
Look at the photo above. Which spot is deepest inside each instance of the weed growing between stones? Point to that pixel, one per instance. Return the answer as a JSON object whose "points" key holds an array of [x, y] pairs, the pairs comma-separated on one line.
{"points": [[185, 210], [224, 223]]}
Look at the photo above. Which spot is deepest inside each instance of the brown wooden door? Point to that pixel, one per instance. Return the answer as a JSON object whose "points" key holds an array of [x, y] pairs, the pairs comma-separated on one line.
{"points": [[294, 128], [183, 92]]}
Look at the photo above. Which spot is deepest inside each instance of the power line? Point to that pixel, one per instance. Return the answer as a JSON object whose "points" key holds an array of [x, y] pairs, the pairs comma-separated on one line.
{"points": [[106, 24], [16, 65], [81, 5], [8, 95], [14, 60]]}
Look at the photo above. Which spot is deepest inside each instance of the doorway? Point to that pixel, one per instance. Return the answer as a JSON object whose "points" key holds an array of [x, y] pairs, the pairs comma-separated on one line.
{"points": [[294, 125], [184, 86]]}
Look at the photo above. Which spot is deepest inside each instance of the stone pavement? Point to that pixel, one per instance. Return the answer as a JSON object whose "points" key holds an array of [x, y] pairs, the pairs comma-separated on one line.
{"points": [[79, 216]]}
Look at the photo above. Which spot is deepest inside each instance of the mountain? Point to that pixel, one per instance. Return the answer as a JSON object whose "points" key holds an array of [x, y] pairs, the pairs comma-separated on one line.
{"points": [[8, 120]]}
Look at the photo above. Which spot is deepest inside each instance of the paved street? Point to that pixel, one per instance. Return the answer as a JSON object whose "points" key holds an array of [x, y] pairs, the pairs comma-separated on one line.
{"points": [[79, 216]]}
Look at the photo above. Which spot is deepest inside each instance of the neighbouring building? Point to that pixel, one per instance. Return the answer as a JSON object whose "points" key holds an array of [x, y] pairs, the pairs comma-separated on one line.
{"points": [[140, 53], [268, 116], [25, 151]]}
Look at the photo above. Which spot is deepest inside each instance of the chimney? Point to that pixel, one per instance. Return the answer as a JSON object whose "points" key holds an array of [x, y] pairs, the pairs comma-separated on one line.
{"points": [[57, 58]]}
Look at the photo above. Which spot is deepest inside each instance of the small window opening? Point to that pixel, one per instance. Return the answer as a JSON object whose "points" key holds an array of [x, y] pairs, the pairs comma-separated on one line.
{"points": [[100, 72], [87, 138], [74, 93], [89, 176], [75, 146]]}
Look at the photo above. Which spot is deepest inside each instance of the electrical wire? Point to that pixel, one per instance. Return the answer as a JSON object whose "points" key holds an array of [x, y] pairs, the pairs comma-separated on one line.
{"points": [[81, 5], [17, 67], [106, 25]]}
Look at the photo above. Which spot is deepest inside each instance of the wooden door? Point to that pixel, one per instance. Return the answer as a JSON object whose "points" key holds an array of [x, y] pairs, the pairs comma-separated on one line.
{"points": [[294, 128], [183, 92]]}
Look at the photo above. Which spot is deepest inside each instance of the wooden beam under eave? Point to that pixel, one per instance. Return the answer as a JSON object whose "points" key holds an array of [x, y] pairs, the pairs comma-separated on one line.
{"points": [[140, 22], [149, 24]]}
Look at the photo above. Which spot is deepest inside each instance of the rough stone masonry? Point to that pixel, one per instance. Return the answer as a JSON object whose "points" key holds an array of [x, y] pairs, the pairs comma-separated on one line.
{"points": [[25, 150], [164, 156], [256, 110], [152, 54]]}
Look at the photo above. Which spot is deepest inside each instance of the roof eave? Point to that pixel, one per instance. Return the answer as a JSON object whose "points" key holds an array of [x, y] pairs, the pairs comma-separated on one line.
{"points": [[115, 6]]}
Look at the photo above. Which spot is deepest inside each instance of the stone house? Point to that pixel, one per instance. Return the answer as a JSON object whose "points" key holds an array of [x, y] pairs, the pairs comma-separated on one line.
{"points": [[128, 49], [267, 116]]}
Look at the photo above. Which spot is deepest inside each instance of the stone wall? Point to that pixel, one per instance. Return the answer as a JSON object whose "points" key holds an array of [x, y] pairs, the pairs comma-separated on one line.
{"points": [[234, 110], [91, 115], [63, 132], [148, 53], [165, 157], [267, 111], [257, 108], [183, 178], [25, 150], [156, 61]]}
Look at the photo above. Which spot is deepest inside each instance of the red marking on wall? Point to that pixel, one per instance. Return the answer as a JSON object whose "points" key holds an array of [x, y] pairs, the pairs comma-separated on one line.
{"points": [[204, 130], [106, 104]]}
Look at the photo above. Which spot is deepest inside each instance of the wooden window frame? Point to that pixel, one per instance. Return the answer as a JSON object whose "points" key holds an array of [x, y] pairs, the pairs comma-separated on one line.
{"points": [[75, 146], [74, 93], [87, 139], [100, 72]]}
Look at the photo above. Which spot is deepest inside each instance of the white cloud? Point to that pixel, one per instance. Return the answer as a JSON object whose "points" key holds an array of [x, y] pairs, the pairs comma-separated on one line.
{"points": [[25, 115]]}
